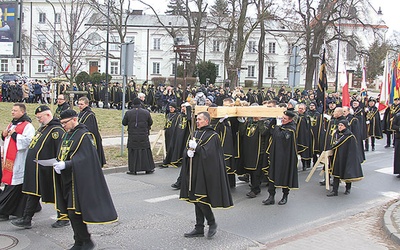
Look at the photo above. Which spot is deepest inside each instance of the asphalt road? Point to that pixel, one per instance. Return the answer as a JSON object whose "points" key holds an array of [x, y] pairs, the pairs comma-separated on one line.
{"points": [[152, 217]]}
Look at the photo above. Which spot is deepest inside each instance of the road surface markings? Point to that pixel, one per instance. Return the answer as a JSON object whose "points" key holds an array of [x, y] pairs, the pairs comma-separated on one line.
{"points": [[162, 198], [388, 170]]}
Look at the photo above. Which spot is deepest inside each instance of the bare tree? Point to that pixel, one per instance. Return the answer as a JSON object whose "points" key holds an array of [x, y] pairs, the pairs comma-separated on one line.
{"points": [[68, 40]]}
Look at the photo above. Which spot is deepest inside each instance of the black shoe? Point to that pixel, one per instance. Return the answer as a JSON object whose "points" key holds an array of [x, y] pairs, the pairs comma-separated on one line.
{"points": [[22, 222], [283, 201], [244, 178], [387, 146], [129, 172], [347, 192], [373, 148], [269, 201], [322, 183], [398, 176], [4, 217], [194, 233], [176, 185], [212, 230], [251, 194], [88, 245], [150, 171], [304, 168], [366, 149], [331, 194], [60, 223]]}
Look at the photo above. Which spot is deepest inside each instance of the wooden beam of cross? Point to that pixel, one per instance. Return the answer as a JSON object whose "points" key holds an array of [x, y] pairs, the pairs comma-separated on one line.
{"points": [[249, 111]]}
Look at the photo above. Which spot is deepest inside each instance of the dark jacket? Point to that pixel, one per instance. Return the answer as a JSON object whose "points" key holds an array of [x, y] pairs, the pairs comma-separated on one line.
{"points": [[139, 123]]}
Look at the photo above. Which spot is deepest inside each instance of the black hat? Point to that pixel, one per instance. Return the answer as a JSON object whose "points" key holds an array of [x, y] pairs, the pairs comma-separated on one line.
{"points": [[396, 99], [313, 103], [289, 113], [331, 101], [371, 99], [344, 122], [41, 108], [136, 101], [69, 113], [172, 104]]}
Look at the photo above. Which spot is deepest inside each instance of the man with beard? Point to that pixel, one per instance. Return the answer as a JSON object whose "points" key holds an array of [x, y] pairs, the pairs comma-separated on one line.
{"points": [[282, 163], [17, 137], [373, 121], [38, 179], [204, 178], [304, 137], [79, 182], [140, 157], [61, 105], [344, 166], [88, 117]]}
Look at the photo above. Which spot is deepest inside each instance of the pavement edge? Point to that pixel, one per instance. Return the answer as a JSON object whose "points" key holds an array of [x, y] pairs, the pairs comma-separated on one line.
{"points": [[388, 222]]}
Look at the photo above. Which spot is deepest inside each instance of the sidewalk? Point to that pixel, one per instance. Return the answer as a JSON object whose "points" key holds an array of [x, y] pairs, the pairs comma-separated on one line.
{"points": [[391, 222]]}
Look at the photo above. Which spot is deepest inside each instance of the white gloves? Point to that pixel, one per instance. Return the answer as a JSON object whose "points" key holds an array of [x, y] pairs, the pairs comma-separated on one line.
{"points": [[278, 121], [192, 144], [190, 153], [241, 119], [367, 122], [328, 117], [223, 119], [59, 166]]}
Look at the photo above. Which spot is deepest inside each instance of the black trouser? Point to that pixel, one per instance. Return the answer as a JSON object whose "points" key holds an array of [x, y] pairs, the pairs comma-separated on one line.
{"points": [[372, 143], [335, 186], [256, 177], [272, 190], [32, 202], [388, 137], [203, 211], [81, 234], [232, 180]]}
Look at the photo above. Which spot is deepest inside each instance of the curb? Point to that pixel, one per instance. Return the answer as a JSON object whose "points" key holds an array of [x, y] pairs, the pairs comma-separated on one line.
{"points": [[389, 225], [120, 169]]}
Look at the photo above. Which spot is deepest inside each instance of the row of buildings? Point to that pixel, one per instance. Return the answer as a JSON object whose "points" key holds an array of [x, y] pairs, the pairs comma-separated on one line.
{"points": [[154, 56]]}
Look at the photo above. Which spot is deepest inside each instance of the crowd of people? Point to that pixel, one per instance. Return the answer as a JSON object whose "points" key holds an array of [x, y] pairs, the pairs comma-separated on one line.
{"points": [[213, 152]]}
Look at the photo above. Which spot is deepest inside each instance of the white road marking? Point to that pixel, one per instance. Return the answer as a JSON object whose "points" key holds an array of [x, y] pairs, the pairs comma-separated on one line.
{"points": [[162, 198], [388, 170], [390, 194]]}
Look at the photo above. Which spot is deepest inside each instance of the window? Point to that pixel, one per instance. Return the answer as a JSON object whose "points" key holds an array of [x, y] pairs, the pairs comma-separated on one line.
{"points": [[252, 47], [157, 43], [351, 51], [41, 41], [271, 71], [42, 17], [22, 17], [287, 72], [114, 68], [233, 47], [57, 18], [94, 42], [217, 69], [156, 68], [20, 66], [173, 68], [40, 68], [114, 43], [290, 48], [251, 70], [271, 48], [216, 45], [4, 65]]}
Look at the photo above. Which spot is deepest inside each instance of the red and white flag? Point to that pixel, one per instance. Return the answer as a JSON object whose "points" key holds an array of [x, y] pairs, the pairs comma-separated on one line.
{"points": [[343, 82]]}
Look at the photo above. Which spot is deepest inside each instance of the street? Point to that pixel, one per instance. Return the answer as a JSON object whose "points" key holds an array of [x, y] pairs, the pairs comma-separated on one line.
{"points": [[151, 216]]}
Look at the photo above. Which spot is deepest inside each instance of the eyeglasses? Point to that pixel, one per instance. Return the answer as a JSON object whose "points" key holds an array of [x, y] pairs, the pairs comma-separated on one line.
{"points": [[65, 122], [39, 117]]}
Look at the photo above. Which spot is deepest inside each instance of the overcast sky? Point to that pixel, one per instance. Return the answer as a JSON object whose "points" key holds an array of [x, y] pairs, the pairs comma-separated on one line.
{"points": [[390, 10]]}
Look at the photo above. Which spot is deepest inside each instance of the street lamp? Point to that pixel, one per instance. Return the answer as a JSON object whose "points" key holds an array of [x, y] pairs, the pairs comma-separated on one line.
{"points": [[54, 37], [107, 57]]}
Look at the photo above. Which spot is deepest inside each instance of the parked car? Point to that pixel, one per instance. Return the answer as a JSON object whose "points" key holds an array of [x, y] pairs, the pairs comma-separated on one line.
{"points": [[10, 77]]}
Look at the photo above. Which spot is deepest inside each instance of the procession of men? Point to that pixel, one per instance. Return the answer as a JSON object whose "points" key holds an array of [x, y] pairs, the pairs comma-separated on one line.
{"points": [[265, 149]]}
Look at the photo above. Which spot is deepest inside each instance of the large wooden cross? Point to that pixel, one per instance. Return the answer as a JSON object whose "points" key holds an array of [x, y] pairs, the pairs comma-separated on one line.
{"points": [[239, 111]]}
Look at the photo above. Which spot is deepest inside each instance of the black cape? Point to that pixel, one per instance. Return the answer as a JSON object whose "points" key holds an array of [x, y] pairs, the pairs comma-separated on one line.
{"points": [[343, 163], [176, 134], [374, 128], [38, 179], [282, 167], [81, 186], [88, 118], [304, 137], [209, 181]]}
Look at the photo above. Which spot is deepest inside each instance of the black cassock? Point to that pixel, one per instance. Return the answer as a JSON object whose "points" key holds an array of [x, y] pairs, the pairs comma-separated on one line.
{"points": [[304, 138], [374, 128], [207, 183], [81, 186], [282, 164], [88, 118], [176, 135], [38, 179], [396, 127], [344, 165]]}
